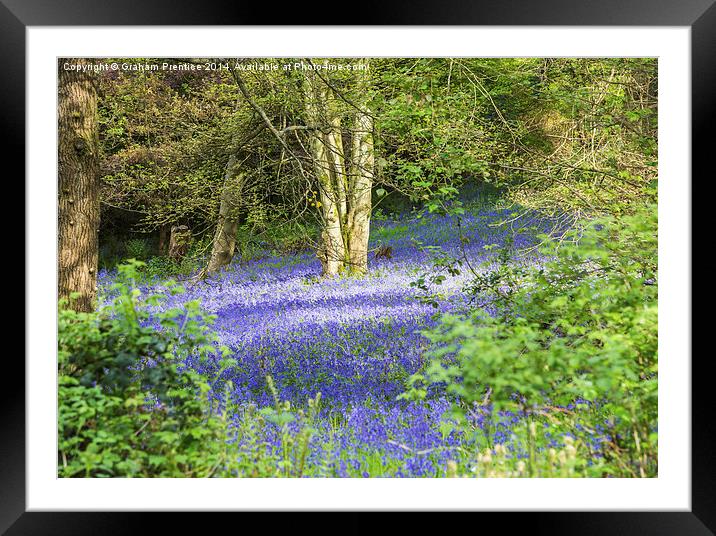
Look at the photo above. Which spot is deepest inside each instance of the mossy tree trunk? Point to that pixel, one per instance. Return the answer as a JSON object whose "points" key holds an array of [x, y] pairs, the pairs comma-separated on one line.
{"points": [[78, 188], [329, 168], [345, 184], [224, 244], [362, 171]]}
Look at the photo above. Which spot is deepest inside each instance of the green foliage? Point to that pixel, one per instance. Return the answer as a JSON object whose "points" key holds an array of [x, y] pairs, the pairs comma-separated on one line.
{"points": [[425, 142], [137, 248], [165, 136], [502, 462], [294, 443], [587, 136], [583, 327], [130, 407], [275, 238], [158, 268], [128, 404], [575, 135], [561, 134]]}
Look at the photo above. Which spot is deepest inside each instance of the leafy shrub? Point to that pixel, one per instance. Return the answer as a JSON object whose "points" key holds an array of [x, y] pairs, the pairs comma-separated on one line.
{"points": [[581, 329], [274, 239], [294, 442], [501, 462], [128, 406], [160, 268], [137, 248], [111, 251]]}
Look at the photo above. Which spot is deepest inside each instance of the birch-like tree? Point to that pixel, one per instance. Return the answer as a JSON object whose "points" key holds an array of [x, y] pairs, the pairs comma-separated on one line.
{"points": [[344, 169], [338, 159]]}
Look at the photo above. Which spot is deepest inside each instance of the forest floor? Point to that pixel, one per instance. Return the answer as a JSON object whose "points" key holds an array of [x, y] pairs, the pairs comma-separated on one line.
{"points": [[356, 340]]}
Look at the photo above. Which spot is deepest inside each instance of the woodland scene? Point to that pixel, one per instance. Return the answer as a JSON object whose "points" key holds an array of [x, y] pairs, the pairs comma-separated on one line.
{"points": [[357, 267]]}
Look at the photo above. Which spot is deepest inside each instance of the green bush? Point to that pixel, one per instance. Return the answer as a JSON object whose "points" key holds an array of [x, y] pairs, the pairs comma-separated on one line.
{"points": [[138, 248], [581, 328], [128, 405]]}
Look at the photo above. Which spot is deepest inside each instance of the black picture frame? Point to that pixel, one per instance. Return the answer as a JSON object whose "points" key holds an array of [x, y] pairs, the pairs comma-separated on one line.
{"points": [[699, 15]]}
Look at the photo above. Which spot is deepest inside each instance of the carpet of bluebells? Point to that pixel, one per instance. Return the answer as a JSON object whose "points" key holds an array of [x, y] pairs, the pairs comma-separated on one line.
{"points": [[356, 341]]}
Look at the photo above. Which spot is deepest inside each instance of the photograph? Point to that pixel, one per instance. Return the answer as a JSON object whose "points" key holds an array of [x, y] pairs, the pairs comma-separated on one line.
{"points": [[357, 267]]}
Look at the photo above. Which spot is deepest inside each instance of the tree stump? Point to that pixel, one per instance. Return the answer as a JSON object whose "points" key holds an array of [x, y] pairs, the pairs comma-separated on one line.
{"points": [[179, 242], [385, 252]]}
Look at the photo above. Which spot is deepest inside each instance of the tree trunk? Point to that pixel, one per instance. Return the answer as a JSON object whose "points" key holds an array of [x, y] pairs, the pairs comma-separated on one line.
{"points": [[163, 239], [179, 242], [345, 199], [224, 244], [361, 204], [78, 192], [363, 164], [333, 250], [328, 166]]}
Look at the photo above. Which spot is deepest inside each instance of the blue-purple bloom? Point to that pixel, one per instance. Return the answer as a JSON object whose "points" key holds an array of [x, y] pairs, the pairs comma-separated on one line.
{"points": [[354, 340]]}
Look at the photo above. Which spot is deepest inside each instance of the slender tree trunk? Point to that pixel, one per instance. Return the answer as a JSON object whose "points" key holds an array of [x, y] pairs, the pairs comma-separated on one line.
{"points": [[225, 237], [78, 192], [361, 204], [333, 251], [224, 243], [333, 141], [329, 168]]}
